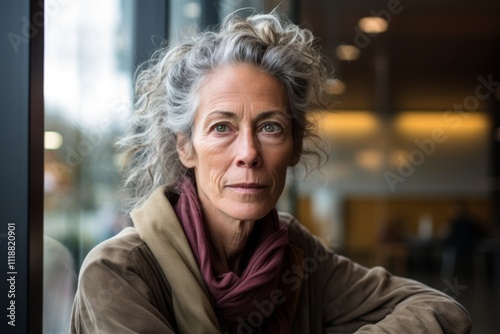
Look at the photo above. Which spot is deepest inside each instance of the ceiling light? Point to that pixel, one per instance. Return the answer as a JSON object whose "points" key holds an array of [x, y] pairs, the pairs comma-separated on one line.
{"points": [[53, 140], [347, 52], [373, 24], [424, 123], [347, 123]]}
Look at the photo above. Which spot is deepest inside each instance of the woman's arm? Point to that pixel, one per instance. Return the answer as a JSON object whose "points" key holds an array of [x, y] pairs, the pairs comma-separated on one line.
{"points": [[119, 292], [352, 298], [374, 301]]}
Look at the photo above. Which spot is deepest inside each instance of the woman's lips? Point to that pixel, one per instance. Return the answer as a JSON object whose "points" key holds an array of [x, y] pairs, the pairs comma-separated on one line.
{"points": [[248, 187]]}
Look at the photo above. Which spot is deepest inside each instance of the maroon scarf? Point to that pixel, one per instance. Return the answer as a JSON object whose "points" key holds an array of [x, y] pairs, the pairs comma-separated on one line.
{"points": [[237, 299]]}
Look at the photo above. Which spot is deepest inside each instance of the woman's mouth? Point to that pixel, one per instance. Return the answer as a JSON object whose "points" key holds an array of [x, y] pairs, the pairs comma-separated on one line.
{"points": [[248, 188]]}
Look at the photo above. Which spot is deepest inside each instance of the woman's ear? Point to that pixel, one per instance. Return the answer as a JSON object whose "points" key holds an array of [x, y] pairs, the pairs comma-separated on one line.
{"points": [[185, 152]]}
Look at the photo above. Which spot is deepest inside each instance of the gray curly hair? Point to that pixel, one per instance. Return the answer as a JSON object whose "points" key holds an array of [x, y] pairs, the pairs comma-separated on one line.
{"points": [[167, 87]]}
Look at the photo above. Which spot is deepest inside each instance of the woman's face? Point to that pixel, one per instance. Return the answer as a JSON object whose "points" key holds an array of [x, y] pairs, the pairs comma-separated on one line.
{"points": [[242, 143]]}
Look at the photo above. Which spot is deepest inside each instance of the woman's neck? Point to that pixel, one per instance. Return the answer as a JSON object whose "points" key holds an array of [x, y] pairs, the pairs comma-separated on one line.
{"points": [[227, 241]]}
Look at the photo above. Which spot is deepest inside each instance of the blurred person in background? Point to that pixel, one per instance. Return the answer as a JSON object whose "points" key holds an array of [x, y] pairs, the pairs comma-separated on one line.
{"points": [[219, 120], [460, 242]]}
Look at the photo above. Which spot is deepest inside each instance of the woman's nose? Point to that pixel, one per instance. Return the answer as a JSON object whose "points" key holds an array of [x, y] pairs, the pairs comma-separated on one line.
{"points": [[247, 151]]}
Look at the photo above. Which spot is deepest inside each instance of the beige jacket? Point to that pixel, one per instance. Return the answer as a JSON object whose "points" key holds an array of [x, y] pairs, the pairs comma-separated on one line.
{"points": [[146, 280]]}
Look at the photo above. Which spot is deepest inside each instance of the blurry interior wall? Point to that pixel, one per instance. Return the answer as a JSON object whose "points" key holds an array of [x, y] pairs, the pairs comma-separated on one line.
{"points": [[416, 122], [416, 156]]}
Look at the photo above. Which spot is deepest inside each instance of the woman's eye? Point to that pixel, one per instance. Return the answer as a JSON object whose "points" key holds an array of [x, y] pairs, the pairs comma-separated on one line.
{"points": [[221, 128], [270, 127]]}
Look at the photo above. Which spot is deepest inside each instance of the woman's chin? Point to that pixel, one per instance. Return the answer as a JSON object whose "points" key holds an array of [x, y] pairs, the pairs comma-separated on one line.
{"points": [[249, 212]]}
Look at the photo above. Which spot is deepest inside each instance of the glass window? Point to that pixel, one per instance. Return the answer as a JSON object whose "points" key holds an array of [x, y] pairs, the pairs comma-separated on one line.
{"points": [[88, 94]]}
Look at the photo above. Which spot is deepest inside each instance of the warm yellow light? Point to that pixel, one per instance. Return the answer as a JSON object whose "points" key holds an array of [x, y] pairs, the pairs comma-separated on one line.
{"points": [[416, 123], [335, 86], [370, 159], [347, 123], [53, 140], [373, 24], [347, 52]]}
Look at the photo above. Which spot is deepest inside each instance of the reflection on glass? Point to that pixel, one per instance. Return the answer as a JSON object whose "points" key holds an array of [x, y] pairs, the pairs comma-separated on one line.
{"points": [[88, 84]]}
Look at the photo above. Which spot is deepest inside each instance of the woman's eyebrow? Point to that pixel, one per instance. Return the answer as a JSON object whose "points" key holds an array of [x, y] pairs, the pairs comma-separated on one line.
{"points": [[233, 115], [271, 114]]}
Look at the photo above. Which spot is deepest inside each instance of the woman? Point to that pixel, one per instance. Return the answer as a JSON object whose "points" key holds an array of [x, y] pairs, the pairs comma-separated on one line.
{"points": [[219, 120]]}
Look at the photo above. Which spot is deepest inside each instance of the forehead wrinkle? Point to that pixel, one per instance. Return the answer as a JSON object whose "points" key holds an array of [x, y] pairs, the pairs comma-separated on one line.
{"points": [[224, 114]]}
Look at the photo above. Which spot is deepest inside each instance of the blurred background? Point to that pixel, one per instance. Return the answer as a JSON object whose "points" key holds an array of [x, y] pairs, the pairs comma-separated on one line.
{"points": [[413, 177]]}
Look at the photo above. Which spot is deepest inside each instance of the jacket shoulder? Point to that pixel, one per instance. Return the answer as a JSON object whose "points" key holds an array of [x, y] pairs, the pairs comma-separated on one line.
{"points": [[118, 248], [124, 254]]}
